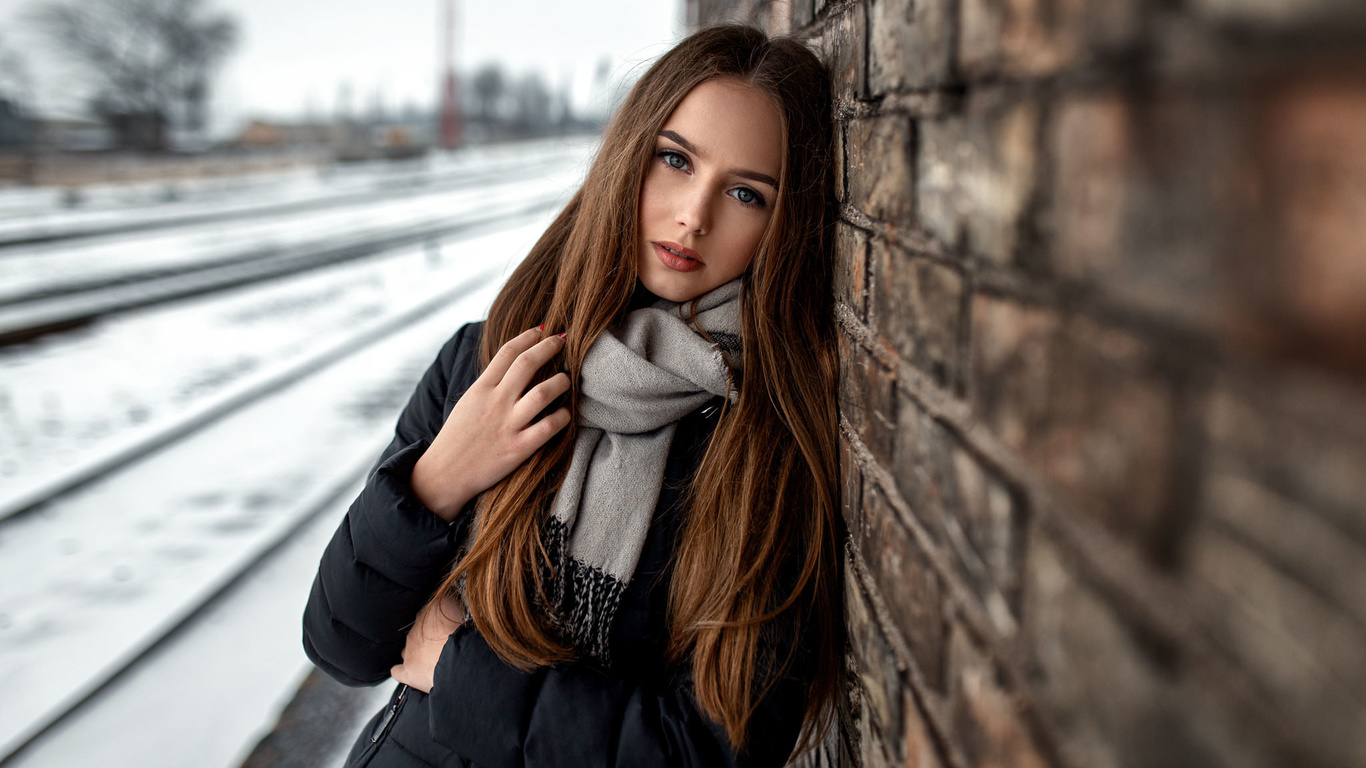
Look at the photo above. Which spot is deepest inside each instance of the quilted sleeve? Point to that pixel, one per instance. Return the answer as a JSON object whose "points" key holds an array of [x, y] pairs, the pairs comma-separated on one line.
{"points": [[390, 551]]}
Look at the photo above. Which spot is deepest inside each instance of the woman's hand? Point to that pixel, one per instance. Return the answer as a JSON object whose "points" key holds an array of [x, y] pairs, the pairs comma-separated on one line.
{"points": [[490, 433], [426, 638]]}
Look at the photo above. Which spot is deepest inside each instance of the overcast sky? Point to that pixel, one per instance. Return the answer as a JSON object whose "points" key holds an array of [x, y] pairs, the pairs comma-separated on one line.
{"points": [[294, 55]]}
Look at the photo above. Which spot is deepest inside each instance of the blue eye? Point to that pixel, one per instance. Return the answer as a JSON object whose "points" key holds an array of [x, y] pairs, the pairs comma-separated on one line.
{"points": [[748, 196], [674, 160]]}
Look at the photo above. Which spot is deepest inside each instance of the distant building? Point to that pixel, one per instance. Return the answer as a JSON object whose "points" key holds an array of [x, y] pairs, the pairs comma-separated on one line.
{"points": [[15, 133], [74, 134]]}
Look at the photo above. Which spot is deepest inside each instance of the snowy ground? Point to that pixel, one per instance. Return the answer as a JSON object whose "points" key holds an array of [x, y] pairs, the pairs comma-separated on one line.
{"points": [[91, 580], [155, 365], [39, 268], [28, 212]]}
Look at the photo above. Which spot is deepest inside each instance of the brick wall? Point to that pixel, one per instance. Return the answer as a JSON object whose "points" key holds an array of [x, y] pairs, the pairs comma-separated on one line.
{"points": [[1102, 299]]}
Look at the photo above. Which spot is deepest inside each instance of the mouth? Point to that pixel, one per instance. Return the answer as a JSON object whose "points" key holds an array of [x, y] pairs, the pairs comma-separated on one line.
{"points": [[679, 250], [676, 257]]}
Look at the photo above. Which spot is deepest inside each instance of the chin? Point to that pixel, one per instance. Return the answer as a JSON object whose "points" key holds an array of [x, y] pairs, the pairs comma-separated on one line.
{"points": [[670, 289], [675, 293]]}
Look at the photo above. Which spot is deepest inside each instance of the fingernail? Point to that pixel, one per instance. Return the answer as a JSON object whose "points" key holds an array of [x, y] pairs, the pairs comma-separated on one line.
{"points": [[541, 327], [562, 334]]}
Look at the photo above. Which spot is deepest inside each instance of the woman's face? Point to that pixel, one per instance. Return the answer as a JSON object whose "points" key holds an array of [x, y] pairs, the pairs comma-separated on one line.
{"points": [[710, 188]]}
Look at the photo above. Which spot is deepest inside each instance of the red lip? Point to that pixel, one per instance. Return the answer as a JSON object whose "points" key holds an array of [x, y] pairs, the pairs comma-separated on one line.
{"points": [[690, 253], [673, 261]]}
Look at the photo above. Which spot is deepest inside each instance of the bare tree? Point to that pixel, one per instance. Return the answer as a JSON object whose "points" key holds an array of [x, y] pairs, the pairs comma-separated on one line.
{"points": [[532, 98], [16, 86], [490, 86], [151, 61]]}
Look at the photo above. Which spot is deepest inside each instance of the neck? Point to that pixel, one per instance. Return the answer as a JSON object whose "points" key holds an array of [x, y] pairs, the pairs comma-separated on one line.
{"points": [[641, 297]]}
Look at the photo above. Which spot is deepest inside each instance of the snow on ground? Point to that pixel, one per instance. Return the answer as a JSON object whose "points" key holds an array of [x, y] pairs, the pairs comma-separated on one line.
{"points": [[33, 210], [34, 269], [83, 579], [206, 697], [69, 398], [87, 581]]}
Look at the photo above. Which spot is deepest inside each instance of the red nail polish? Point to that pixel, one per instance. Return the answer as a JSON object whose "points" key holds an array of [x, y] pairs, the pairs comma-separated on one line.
{"points": [[562, 334], [541, 327]]}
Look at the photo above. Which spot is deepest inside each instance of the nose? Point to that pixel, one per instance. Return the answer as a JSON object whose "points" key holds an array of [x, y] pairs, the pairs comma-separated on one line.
{"points": [[694, 210]]}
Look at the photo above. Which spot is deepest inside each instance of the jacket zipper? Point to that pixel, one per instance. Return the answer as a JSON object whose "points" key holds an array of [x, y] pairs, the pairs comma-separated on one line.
{"points": [[388, 716]]}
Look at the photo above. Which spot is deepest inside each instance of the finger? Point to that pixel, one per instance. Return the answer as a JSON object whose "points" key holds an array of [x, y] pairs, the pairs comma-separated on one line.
{"points": [[539, 396], [537, 434], [506, 354], [519, 374]]}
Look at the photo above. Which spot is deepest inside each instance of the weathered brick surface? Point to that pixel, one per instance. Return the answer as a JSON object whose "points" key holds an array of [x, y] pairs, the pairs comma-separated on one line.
{"points": [[1111, 693], [842, 45], [851, 268], [915, 597], [879, 678], [977, 174], [1304, 655], [986, 719], [1101, 289], [921, 748], [910, 44], [879, 167], [918, 307], [1078, 401]]}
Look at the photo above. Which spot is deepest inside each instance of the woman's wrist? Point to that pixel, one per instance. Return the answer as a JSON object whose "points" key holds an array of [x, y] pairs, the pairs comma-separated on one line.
{"points": [[444, 498]]}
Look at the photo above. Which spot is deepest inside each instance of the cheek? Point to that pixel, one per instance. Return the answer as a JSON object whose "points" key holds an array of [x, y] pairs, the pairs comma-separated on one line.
{"points": [[653, 196], [748, 235]]}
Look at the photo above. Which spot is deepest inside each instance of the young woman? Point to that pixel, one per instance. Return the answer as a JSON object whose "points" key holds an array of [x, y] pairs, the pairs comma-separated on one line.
{"points": [[612, 539]]}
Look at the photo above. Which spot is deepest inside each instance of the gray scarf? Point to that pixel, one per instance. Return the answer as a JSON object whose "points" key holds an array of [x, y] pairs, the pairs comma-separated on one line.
{"points": [[637, 380]]}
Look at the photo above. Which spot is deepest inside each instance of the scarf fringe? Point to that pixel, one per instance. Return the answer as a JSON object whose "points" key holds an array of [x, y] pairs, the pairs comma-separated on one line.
{"points": [[584, 599]]}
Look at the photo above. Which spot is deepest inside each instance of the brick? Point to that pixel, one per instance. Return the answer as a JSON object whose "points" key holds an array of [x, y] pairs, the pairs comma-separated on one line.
{"points": [[1145, 202], [1025, 38], [842, 48], [918, 307], [923, 472], [879, 395], [1306, 657], [910, 44], [1081, 403], [879, 677], [880, 167], [1302, 435], [851, 402], [841, 163], [908, 585], [1282, 15], [993, 525], [977, 175], [851, 268], [1289, 536], [986, 720], [1109, 690], [851, 491], [921, 750], [1309, 289]]}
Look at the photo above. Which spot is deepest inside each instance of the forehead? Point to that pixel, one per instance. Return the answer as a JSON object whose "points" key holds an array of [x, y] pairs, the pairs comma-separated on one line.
{"points": [[731, 123]]}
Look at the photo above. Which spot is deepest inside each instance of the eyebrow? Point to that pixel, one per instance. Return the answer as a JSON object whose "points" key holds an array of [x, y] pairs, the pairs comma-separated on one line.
{"points": [[743, 173]]}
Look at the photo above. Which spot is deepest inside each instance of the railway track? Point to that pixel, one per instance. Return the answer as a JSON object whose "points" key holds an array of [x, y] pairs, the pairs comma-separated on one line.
{"points": [[324, 495], [73, 632], [14, 234], [24, 320]]}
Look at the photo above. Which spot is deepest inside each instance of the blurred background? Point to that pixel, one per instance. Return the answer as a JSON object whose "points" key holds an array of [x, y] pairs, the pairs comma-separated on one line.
{"points": [[233, 234]]}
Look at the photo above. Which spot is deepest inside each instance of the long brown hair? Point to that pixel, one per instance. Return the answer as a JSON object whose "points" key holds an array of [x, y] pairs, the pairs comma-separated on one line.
{"points": [[764, 495]]}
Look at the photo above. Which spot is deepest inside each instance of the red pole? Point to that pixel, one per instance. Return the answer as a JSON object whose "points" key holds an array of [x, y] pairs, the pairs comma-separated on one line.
{"points": [[450, 92]]}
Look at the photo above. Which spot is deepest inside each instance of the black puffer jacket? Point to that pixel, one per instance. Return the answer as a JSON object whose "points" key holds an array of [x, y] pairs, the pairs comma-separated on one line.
{"points": [[390, 553]]}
